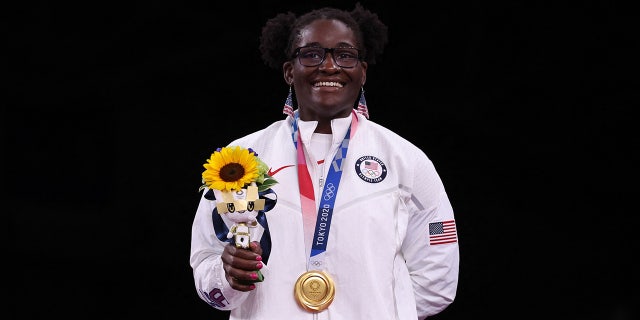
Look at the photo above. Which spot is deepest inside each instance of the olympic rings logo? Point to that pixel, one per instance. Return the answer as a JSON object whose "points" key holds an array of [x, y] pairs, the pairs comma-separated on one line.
{"points": [[370, 172], [329, 191]]}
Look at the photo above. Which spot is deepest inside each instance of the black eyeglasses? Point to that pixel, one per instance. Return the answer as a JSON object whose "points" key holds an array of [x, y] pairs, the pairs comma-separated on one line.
{"points": [[344, 57]]}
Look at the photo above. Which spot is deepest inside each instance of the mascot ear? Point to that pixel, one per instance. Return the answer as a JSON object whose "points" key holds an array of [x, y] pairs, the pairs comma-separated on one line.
{"points": [[252, 193]]}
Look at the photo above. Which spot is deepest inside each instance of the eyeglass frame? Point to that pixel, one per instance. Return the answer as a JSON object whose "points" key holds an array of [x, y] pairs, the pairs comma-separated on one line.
{"points": [[296, 54]]}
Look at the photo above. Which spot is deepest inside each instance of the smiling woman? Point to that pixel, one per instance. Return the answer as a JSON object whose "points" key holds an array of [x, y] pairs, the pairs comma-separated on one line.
{"points": [[351, 172]]}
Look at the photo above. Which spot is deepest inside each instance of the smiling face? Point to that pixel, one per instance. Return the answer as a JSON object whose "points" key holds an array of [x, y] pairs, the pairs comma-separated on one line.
{"points": [[326, 91]]}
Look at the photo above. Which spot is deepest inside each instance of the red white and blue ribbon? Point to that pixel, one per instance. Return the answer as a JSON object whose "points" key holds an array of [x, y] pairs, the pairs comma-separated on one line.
{"points": [[317, 224]]}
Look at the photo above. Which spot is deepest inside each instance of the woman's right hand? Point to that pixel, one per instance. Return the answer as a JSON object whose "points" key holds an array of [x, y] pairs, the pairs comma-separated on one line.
{"points": [[241, 266]]}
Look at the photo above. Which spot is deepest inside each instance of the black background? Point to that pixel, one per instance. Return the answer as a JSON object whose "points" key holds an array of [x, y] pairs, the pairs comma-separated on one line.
{"points": [[524, 107]]}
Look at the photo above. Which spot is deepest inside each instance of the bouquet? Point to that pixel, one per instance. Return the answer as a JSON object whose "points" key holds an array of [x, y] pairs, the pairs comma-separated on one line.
{"points": [[236, 176]]}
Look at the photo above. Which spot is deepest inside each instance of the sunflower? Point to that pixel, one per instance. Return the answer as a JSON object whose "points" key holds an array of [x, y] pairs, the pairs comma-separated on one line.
{"points": [[230, 168]]}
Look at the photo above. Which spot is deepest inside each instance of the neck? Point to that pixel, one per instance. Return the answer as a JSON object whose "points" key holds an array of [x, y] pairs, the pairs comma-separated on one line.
{"points": [[323, 127], [324, 123]]}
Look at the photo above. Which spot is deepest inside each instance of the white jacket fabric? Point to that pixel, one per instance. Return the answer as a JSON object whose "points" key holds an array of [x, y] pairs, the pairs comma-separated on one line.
{"points": [[392, 250]]}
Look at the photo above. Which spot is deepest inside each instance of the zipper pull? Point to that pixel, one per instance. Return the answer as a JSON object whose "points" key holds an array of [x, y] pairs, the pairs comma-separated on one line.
{"points": [[321, 168]]}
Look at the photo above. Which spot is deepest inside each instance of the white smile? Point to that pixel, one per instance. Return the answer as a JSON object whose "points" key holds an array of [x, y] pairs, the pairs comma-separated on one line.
{"points": [[328, 84]]}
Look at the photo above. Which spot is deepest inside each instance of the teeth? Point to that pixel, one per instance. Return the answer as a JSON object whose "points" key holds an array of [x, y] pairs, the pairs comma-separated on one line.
{"points": [[328, 84]]}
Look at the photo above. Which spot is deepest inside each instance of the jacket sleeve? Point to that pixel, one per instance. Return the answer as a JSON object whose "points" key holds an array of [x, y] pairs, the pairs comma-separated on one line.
{"points": [[430, 247], [206, 262]]}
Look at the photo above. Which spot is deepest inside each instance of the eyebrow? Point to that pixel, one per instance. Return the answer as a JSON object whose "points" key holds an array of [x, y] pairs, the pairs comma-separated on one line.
{"points": [[340, 44]]}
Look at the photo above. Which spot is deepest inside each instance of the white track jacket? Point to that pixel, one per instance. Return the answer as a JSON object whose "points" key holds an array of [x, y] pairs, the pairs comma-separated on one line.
{"points": [[392, 250]]}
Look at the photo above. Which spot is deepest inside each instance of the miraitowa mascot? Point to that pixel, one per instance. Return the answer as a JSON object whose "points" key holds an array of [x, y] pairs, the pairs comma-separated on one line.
{"points": [[241, 207]]}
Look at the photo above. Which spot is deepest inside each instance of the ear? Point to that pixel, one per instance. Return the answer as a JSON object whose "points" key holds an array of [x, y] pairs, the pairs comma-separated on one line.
{"points": [[364, 72], [287, 71]]}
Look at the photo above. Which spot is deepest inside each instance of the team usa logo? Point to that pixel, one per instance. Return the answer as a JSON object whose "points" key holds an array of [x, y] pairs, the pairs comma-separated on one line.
{"points": [[371, 169]]}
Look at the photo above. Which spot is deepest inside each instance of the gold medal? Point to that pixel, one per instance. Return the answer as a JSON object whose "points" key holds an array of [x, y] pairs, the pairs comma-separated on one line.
{"points": [[314, 291]]}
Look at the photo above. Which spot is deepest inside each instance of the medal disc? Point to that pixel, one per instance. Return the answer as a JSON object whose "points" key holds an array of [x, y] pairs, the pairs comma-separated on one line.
{"points": [[314, 291]]}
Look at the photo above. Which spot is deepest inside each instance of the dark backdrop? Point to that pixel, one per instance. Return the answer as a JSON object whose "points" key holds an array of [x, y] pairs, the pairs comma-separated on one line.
{"points": [[523, 107]]}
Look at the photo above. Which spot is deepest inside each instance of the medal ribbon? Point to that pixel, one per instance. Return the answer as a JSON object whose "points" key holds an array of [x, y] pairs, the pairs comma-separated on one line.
{"points": [[322, 220]]}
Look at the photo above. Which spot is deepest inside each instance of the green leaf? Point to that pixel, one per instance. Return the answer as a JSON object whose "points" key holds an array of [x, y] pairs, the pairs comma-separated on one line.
{"points": [[268, 183]]}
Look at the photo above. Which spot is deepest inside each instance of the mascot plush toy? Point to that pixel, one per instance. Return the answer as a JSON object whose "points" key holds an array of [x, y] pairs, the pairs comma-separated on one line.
{"points": [[241, 207]]}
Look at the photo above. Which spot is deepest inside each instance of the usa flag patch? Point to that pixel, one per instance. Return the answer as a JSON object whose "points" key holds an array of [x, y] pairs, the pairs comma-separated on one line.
{"points": [[442, 232]]}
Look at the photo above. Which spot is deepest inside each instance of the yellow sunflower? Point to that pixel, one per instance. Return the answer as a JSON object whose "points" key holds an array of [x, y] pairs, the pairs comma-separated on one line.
{"points": [[230, 168]]}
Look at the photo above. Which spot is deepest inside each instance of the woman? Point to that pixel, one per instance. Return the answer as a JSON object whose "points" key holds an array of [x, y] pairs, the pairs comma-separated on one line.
{"points": [[362, 227]]}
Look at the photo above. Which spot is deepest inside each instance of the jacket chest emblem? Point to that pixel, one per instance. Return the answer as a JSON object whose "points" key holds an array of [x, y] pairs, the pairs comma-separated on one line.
{"points": [[371, 169]]}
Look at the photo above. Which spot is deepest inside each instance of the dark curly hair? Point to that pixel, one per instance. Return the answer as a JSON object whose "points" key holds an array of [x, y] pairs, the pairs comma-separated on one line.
{"points": [[280, 33]]}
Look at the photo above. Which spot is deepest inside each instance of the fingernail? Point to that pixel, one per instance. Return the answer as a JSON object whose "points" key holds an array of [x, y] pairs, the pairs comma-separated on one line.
{"points": [[259, 265], [259, 258], [254, 276], [252, 287]]}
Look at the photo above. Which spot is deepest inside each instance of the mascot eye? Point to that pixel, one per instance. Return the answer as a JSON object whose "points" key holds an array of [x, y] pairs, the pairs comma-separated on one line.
{"points": [[231, 207], [250, 206]]}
